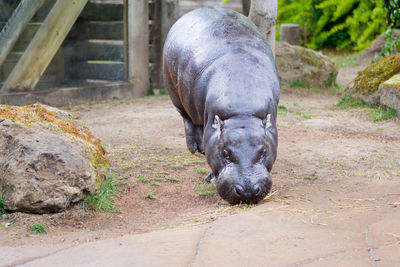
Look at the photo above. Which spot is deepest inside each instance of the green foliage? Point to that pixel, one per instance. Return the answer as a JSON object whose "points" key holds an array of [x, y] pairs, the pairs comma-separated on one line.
{"points": [[350, 24], [150, 196], [201, 171], [104, 198], [205, 189], [348, 102], [393, 16], [142, 178], [38, 228], [393, 20], [392, 43], [383, 113], [283, 108], [376, 112], [298, 84], [2, 210]]}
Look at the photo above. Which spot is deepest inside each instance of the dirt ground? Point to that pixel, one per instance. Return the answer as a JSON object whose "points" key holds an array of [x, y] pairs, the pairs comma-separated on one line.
{"points": [[339, 159]]}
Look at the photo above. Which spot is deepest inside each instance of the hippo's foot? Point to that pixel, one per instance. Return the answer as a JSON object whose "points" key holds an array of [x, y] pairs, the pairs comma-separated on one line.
{"points": [[194, 136], [210, 178]]}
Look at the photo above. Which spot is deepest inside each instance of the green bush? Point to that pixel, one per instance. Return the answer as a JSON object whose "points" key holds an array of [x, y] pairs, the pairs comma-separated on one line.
{"points": [[350, 24]]}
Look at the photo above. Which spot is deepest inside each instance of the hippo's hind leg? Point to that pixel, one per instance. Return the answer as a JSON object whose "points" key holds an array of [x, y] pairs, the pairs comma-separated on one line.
{"points": [[194, 136]]}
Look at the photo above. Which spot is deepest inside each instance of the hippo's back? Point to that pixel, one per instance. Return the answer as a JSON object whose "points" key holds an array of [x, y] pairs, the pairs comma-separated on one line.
{"points": [[198, 40]]}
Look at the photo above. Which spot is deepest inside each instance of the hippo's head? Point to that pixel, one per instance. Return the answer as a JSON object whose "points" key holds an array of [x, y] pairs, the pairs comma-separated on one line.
{"points": [[241, 153]]}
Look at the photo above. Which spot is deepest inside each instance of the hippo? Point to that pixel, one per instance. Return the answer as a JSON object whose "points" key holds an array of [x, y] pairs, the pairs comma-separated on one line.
{"points": [[221, 77]]}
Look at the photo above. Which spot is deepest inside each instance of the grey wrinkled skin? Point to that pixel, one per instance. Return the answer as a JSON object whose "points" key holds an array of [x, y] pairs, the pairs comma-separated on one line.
{"points": [[221, 76]]}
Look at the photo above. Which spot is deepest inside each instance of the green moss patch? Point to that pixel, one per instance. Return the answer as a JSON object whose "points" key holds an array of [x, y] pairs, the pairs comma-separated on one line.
{"points": [[368, 80]]}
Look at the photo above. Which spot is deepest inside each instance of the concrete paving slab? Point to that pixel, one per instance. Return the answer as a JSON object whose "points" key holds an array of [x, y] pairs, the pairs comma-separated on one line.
{"points": [[161, 248], [253, 240]]}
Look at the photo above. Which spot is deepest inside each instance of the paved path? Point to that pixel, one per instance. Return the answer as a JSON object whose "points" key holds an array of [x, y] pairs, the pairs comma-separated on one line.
{"points": [[272, 234]]}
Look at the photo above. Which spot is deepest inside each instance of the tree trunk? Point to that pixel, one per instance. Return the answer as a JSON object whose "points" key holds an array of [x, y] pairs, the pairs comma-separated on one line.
{"points": [[263, 14]]}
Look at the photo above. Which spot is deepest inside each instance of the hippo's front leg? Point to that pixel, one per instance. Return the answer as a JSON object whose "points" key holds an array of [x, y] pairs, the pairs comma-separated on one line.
{"points": [[210, 178], [194, 136]]}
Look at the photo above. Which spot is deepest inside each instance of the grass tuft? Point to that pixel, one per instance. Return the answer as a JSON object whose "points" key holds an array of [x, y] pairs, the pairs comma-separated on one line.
{"points": [[376, 112], [206, 189], [142, 178], [38, 228], [348, 102], [201, 171], [104, 198], [382, 114], [298, 84], [150, 196], [283, 108], [172, 179]]}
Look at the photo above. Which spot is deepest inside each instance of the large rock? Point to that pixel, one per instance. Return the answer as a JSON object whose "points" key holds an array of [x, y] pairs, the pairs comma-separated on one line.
{"points": [[374, 51], [48, 159], [297, 64], [366, 84], [389, 93]]}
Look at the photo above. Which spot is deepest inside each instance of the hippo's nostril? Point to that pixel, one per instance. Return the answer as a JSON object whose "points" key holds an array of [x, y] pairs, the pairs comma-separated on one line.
{"points": [[257, 190], [238, 190]]}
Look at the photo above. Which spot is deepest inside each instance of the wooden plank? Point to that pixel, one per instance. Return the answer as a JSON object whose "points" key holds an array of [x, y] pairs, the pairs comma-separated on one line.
{"points": [[126, 47], [26, 36], [138, 46], [44, 45], [102, 30], [17, 22], [96, 70], [102, 12], [72, 95], [50, 75], [95, 50]]}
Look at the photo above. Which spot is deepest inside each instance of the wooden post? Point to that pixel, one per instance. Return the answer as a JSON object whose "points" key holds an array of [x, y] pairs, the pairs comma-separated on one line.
{"points": [[156, 48], [15, 25], [138, 46], [263, 14], [169, 15], [44, 45]]}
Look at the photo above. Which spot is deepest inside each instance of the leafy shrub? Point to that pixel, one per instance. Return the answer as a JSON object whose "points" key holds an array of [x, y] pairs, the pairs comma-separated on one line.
{"points": [[393, 20], [350, 24]]}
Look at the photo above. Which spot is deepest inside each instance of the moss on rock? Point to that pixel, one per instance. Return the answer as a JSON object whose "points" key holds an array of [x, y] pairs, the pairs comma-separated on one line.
{"points": [[38, 117], [367, 82]]}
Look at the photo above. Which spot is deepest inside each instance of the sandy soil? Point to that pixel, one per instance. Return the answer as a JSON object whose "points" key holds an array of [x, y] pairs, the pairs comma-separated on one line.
{"points": [[332, 156]]}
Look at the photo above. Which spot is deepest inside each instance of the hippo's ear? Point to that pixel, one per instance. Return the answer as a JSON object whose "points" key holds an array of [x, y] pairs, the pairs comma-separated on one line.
{"points": [[267, 121], [218, 123]]}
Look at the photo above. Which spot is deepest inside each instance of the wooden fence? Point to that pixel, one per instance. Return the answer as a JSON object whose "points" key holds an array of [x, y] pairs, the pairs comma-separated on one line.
{"points": [[94, 51]]}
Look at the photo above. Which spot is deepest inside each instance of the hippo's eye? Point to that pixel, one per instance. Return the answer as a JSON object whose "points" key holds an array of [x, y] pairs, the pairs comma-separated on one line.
{"points": [[261, 154], [227, 155]]}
